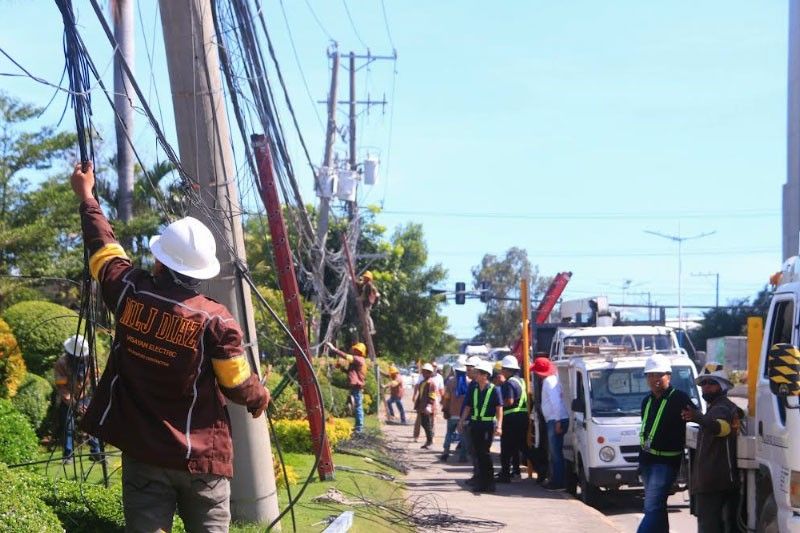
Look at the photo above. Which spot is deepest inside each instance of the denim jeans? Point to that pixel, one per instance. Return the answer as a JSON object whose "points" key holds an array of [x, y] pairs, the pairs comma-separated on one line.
{"points": [[67, 421], [451, 436], [555, 444], [358, 408], [658, 479], [399, 403], [466, 443]]}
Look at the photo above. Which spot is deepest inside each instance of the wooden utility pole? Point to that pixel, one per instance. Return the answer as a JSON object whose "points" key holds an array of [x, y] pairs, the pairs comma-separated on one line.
{"points": [[122, 13], [206, 155]]}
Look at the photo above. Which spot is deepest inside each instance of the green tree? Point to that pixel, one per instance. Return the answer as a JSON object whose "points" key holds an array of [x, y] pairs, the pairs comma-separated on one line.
{"points": [[407, 320], [499, 324], [29, 221]]}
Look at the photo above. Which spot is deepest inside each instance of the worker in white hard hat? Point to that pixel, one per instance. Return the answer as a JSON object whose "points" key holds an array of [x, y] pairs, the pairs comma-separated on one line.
{"points": [[426, 403], [177, 355], [714, 486], [662, 438], [455, 390], [463, 429], [73, 378], [515, 420], [484, 408]]}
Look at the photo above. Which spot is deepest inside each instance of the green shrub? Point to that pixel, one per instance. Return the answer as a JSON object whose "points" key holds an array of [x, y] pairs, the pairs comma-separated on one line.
{"points": [[12, 365], [86, 508], [18, 442], [41, 329], [295, 435], [33, 400], [20, 508]]}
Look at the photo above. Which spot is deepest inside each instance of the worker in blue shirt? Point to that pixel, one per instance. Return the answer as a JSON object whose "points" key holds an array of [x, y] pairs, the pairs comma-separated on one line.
{"points": [[484, 409], [515, 420]]}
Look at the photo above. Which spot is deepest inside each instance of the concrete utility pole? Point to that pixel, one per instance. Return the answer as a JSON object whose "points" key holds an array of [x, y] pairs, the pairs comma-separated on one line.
{"points": [[791, 189], [122, 13], [206, 154], [327, 160]]}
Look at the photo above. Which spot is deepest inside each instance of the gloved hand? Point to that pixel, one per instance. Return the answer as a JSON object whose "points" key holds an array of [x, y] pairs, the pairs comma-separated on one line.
{"points": [[429, 409]]}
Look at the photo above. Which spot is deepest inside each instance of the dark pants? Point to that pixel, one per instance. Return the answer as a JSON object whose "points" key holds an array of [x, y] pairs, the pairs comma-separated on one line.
{"points": [[513, 442], [151, 494], [482, 435], [426, 421], [658, 479], [716, 511]]}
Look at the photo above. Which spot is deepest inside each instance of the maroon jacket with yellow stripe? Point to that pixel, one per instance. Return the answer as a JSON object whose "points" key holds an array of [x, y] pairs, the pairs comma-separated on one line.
{"points": [[176, 356]]}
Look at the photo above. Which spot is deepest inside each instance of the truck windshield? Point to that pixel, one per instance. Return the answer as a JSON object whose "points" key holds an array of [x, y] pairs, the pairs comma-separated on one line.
{"points": [[619, 343], [620, 391]]}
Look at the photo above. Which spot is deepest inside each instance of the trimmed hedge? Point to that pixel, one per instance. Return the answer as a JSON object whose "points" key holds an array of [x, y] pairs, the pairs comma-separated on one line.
{"points": [[20, 507], [33, 400], [295, 435], [18, 442], [41, 329], [12, 365]]}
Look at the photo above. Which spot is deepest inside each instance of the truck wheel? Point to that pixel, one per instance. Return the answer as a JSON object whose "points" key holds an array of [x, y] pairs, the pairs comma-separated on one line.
{"points": [[768, 517], [590, 494], [570, 478]]}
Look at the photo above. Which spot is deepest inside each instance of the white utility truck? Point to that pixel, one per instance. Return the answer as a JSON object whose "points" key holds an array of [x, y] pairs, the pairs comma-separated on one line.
{"points": [[601, 370], [768, 445]]}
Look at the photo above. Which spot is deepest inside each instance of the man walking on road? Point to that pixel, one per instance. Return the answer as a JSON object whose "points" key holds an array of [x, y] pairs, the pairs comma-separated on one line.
{"points": [[395, 386], [455, 390], [662, 437], [557, 417], [355, 365], [715, 477], [515, 420], [426, 403], [176, 354], [484, 408]]}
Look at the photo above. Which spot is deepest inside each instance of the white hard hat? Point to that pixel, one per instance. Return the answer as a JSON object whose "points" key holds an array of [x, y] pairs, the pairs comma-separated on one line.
{"points": [[657, 364], [473, 360], [461, 363], [510, 362], [485, 366], [187, 247], [77, 346], [717, 373], [428, 367]]}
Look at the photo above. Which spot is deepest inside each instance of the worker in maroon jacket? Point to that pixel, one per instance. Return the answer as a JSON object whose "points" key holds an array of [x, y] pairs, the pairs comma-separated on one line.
{"points": [[355, 365], [176, 356]]}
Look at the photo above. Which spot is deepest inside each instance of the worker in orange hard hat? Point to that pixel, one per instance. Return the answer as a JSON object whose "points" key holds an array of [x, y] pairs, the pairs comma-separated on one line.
{"points": [[355, 365]]}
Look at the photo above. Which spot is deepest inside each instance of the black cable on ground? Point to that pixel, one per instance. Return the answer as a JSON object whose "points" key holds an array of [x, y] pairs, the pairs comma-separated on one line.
{"points": [[283, 464]]}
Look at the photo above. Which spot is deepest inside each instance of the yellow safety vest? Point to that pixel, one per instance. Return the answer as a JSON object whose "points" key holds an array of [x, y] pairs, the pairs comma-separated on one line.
{"points": [[522, 403], [480, 416]]}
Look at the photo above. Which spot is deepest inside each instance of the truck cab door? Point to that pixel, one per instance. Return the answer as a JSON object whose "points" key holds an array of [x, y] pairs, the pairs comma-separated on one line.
{"points": [[579, 413], [772, 442]]}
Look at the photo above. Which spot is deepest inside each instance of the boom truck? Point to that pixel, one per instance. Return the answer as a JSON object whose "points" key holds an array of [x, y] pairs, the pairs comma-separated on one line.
{"points": [[768, 443]]}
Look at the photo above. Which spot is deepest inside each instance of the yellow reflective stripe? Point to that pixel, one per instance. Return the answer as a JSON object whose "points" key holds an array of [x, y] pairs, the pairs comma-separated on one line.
{"points": [[231, 372], [104, 255], [724, 428], [349, 358], [61, 381]]}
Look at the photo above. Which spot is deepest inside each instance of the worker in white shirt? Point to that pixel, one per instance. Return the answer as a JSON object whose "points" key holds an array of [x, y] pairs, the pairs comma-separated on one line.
{"points": [[557, 417]]}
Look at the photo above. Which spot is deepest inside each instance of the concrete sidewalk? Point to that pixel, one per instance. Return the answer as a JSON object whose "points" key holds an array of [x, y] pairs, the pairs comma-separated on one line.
{"points": [[521, 505]]}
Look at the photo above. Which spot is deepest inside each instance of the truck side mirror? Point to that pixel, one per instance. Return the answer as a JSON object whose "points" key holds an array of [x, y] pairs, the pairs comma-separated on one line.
{"points": [[578, 406], [783, 367]]}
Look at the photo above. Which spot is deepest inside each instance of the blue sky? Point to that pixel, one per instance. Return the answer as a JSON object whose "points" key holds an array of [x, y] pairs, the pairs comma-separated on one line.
{"points": [[565, 128]]}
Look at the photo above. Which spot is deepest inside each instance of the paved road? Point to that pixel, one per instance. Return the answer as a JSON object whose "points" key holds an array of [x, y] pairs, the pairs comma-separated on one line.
{"points": [[523, 502], [624, 509], [519, 506]]}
